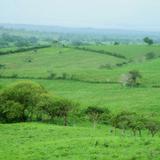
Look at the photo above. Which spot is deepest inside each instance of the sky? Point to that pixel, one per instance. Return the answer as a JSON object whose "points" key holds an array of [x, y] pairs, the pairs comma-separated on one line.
{"points": [[127, 14]]}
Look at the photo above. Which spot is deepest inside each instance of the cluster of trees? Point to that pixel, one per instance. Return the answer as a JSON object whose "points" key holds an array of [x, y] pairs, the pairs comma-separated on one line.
{"points": [[123, 120], [137, 123], [24, 49], [111, 66], [29, 101], [131, 79], [101, 52], [148, 40], [18, 41]]}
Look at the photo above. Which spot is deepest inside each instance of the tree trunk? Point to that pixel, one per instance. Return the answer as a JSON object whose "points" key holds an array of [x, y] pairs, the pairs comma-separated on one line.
{"points": [[153, 133], [115, 131], [134, 132], [65, 120], [94, 124], [140, 133]]}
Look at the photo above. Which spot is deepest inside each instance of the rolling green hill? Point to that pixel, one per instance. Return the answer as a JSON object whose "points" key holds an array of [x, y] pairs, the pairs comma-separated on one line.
{"points": [[84, 65], [130, 51], [89, 77], [75, 69], [45, 141]]}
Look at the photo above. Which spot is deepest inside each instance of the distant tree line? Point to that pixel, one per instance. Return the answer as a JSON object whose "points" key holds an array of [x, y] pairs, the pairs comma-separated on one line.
{"points": [[54, 76], [24, 49], [18, 41], [100, 51]]}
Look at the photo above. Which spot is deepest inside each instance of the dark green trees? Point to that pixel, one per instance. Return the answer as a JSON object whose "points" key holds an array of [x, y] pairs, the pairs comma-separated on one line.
{"points": [[131, 78], [18, 101], [148, 40], [56, 107], [27, 100], [11, 111], [96, 113]]}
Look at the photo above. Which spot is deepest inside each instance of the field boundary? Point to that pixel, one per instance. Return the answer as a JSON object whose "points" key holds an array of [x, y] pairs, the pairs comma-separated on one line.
{"points": [[34, 48], [99, 51], [59, 78]]}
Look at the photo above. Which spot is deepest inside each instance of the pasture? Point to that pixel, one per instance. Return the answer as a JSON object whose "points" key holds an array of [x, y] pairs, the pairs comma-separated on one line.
{"points": [[89, 78]]}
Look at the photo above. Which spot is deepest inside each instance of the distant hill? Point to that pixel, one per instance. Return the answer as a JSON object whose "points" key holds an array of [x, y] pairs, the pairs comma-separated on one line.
{"points": [[122, 35], [46, 28]]}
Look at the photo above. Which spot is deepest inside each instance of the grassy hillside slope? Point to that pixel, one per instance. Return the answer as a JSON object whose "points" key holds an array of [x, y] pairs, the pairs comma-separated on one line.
{"points": [[85, 65], [94, 74], [45, 141]]}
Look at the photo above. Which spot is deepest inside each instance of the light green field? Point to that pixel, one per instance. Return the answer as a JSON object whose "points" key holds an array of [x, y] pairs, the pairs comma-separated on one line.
{"points": [[135, 52], [83, 64], [36, 141]]}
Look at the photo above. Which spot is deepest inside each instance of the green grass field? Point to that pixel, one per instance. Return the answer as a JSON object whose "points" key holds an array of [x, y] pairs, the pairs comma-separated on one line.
{"points": [[46, 141], [84, 65], [40, 141]]}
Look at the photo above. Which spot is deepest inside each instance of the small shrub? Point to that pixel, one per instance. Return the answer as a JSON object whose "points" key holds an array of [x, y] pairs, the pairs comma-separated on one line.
{"points": [[14, 75], [2, 66], [108, 66], [131, 79], [11, 111], [95, 113], [52, 76], [150, 55], [153, 127], [56, 107], [106, 144]]}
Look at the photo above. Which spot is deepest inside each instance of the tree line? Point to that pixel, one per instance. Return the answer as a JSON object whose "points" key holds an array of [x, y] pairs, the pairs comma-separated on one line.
{"points": [[24, 49], [29, 101]]}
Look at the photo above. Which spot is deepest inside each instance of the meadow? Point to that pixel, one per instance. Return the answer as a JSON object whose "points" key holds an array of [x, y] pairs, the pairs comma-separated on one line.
{"points": [[47, 141], [88, 77]]}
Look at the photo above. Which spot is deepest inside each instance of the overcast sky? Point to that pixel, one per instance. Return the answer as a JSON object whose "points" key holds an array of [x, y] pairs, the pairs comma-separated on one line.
{"points": [[135, 14]]}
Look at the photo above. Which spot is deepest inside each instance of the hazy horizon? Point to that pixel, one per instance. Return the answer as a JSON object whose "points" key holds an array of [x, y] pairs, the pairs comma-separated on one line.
{"points": [[115, 14]]}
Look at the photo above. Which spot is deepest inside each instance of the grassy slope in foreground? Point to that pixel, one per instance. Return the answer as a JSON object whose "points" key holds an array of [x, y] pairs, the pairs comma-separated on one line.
{"points": [[35, 141]]}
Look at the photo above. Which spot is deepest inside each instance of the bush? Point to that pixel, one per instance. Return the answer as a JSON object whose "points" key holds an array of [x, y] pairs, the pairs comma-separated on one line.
{"points": [[56, 107], [22, 98], [11, 111], [96, 114], [153, 127], [148, 40], [131, 79], [27, 100], [63, 107], [150, 55], [14, 75], [128, 120], [46, 106], [51, 76], [2, 66]]}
